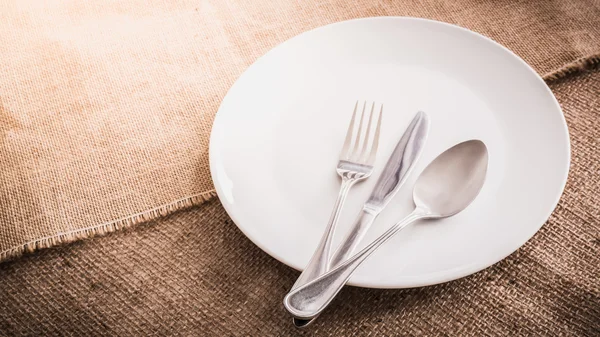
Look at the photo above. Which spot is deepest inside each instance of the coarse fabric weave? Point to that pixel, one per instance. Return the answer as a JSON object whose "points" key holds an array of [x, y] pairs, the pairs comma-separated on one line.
{"points": [[105, 114], [106, 106], [194, 273]]}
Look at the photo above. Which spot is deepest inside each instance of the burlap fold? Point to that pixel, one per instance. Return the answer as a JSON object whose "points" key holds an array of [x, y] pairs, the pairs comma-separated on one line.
{"points": [[106, 106]]}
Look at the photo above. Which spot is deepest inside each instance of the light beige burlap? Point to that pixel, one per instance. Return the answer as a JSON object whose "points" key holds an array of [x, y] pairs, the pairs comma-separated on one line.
{"points": [[195, 274], [106, 106]]}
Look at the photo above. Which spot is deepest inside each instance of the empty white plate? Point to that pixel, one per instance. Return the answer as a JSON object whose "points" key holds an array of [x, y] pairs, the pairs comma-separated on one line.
{"points": [[277, 135]]}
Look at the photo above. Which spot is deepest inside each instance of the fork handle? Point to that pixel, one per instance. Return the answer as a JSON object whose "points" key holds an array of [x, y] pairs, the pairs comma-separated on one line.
{"points": [[319, 262]]}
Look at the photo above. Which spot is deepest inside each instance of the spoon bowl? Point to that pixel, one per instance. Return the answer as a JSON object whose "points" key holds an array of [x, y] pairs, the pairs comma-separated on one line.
{"points": [[451, 182]]}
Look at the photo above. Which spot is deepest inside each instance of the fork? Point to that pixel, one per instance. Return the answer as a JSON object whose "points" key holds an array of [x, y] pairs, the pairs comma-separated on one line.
{"points": [[355, 164]]}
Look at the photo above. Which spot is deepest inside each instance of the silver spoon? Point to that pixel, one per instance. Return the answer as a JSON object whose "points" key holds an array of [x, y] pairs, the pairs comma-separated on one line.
{"points": [[446, 187]]}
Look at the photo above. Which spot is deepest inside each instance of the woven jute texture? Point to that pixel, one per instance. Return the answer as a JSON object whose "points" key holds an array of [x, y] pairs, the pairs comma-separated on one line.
{"points": [[106, 106], [194, 273]]}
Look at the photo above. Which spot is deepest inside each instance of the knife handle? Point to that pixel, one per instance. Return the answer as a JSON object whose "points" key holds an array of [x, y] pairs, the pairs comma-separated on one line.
{"points": [[357, 232]]}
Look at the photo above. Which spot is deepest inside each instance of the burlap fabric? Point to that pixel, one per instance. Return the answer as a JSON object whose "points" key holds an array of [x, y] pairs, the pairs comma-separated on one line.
{"points": [[106, 106], [195, 274], [105, 110]]}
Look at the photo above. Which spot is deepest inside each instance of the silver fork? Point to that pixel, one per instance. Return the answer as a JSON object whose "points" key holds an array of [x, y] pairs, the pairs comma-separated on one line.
{"points": [[355, 164]]}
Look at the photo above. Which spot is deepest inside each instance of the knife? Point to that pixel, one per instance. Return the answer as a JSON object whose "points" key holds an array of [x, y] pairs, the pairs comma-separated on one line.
{"points": [[396, 171], [394, 174]]}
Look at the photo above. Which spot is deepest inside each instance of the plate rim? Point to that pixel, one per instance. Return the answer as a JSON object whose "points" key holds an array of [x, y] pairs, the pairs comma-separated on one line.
{"points": [[447, 276]]}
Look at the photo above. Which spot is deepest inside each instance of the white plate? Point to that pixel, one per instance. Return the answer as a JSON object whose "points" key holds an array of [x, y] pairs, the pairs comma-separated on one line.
{"points": [[277, 135]]}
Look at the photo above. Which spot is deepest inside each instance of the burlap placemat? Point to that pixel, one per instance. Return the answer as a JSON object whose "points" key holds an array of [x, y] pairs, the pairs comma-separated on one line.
{"points": [[106, 106], [195, 274]]}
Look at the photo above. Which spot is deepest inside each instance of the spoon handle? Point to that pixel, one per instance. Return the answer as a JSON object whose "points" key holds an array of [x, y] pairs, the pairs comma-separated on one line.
{"points": [[309, 300]]}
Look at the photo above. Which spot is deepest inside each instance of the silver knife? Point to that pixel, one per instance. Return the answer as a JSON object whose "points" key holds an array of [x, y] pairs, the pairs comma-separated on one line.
{"points": [[394, 174]]}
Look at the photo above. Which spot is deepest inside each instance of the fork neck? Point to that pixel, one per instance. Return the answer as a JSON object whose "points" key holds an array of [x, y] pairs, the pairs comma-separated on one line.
{"points": [[352, 172]]}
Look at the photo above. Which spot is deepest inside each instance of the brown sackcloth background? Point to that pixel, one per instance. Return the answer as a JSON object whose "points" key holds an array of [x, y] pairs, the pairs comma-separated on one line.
{"points": [[194, 273], [105, 112], [106, 106]]}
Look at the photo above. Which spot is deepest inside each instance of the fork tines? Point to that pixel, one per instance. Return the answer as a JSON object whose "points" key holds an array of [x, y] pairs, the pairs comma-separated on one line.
{"points": [[360, 147]]}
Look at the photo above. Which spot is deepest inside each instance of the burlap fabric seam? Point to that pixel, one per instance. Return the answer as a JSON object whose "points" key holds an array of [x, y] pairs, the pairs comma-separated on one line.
{"points": [[108, 227], [580, 65], [576, 67]]}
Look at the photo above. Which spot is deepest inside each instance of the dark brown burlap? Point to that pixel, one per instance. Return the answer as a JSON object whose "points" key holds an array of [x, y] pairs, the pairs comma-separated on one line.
{"points": [[195, 274]]}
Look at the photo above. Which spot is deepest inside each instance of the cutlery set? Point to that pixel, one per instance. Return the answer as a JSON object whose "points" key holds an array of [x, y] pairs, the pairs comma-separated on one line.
{"points": [[444, 188]]}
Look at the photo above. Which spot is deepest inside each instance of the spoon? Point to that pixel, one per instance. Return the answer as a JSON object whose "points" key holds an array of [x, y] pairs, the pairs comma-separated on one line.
{"points": [[447, 186]]}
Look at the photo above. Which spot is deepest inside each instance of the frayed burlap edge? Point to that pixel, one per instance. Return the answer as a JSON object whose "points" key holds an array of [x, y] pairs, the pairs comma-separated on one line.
{"points": [[571, 69], [107, 227], [576, 67]]}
